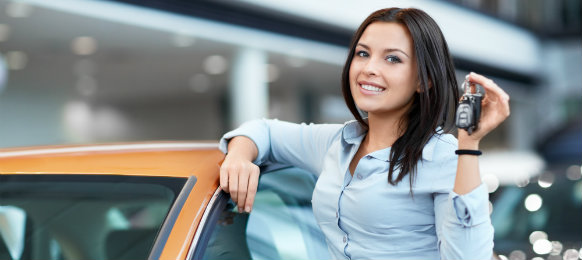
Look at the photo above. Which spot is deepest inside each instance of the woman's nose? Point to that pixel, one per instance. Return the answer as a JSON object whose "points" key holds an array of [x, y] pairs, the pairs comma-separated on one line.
{"points": [[371, 67]]}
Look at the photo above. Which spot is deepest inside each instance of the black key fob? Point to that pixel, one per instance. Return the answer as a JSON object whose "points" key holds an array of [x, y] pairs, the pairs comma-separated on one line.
{"points": [[469, 108]]}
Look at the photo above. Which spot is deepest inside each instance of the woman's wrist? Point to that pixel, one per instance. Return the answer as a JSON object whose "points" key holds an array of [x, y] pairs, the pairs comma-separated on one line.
{"points": [[242, 147], [468, 144]]}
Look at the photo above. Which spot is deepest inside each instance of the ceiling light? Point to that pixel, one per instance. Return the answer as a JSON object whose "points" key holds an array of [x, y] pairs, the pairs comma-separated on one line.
{"points": [[571, 254], [574, 173], [491, 181], [4, 32], [537, 235], [16, 60], [533, 202], [557, 248], [18, 9], [517, 255], [78, 117], [215, 65], [521, 182], [542, 247], [546, 180], [84, 45]]}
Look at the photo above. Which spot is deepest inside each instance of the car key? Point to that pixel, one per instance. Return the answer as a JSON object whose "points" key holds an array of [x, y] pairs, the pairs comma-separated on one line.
{"points": [[469, 108]]}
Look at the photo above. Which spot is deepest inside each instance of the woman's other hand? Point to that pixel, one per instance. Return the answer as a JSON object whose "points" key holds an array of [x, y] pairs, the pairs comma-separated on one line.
{"points": [[494, 109], [239, 176]]}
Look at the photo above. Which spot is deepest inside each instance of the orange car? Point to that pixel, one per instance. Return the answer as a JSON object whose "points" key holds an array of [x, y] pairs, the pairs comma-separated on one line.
{"points": [[147, 200]]}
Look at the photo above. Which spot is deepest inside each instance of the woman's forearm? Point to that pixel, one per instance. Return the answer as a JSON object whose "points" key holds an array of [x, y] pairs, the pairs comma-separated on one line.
{"points": [[494, 110], [243, 148], [468, 177]]}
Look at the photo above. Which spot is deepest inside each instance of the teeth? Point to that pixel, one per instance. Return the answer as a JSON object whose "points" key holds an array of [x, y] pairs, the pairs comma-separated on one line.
{"points": [[372, 88]]}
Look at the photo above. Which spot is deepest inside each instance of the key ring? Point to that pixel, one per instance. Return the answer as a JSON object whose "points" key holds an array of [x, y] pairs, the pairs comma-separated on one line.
{"points": [[470, 87]]}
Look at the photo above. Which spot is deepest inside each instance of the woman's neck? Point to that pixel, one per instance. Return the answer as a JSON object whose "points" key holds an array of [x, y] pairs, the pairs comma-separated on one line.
{"points": [[383, 132]]}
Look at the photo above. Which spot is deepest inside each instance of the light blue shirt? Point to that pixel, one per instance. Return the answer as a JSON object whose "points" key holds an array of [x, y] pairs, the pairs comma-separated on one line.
{"points": [[363, 216]]}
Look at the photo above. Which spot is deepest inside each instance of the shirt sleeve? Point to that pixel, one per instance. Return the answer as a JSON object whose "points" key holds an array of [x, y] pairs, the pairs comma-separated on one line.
{"points": [[463, 224], [280, 142]]}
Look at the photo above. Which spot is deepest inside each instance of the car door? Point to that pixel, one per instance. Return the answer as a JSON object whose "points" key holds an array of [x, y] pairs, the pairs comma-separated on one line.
{"points": [[281, 225]]}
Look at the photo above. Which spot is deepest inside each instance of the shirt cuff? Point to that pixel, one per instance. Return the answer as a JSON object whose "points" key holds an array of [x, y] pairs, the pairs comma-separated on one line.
{"points": [[257, 131], [472, 208]]}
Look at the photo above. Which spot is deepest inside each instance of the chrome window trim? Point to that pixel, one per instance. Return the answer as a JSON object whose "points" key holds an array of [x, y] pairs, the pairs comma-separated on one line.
{"points": [[202, 223], [166, 229]]}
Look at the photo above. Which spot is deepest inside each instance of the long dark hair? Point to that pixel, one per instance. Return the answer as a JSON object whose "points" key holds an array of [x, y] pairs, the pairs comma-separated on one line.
{"points": [[433, 106]]}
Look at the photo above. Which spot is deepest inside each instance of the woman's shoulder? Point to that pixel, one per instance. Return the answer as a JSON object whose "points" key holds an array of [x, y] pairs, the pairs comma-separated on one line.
{"points": [[319, 130], [443, 161], [441, 147]]}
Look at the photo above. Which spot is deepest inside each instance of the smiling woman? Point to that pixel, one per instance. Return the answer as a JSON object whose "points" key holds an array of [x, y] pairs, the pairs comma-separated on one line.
{"points": [[384, 79], [389, 184]]}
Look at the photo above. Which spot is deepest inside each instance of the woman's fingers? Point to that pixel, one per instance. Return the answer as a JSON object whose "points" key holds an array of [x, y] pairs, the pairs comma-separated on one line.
{"points": [[496, 100], [495, 105], [233, 185], [224, 178], [240, 179], [243, 182], [252, 189], [489, 85]]}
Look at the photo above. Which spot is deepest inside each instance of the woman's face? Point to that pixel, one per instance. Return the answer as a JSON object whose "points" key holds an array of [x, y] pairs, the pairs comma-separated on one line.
{"points": [[383, 73]]}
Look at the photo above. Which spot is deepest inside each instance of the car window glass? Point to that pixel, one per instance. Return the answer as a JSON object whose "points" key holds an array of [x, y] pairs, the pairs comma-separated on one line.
{"points": [[281, 225], [82, 217]]}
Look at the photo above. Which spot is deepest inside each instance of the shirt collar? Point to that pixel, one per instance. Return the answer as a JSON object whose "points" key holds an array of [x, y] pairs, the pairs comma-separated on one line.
{"points": [[353, 133]]}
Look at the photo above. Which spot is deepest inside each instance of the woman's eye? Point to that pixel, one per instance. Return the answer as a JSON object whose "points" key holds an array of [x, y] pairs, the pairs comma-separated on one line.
{"points": [[361, 54], [393, 59]]}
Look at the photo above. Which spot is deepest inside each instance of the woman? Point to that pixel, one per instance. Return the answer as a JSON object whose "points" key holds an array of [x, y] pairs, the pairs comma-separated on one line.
{"points": [[390, 186]]}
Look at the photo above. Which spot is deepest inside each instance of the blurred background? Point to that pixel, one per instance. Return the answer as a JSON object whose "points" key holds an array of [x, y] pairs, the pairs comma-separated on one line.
{"points": [[85, 71]]}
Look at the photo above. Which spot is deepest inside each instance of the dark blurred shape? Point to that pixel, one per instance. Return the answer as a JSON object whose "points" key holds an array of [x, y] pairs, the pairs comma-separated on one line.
{"points": [[247, 15], [130, 244], [546, 18], [565, 145]]}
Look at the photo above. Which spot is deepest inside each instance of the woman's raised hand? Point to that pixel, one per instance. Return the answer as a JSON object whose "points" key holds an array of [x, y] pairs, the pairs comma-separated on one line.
{"points": [[494, 108], [239, 176]]}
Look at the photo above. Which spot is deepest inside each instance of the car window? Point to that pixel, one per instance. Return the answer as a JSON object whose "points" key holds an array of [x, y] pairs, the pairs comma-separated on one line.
{"points": [[82, 217], [281, 225]]}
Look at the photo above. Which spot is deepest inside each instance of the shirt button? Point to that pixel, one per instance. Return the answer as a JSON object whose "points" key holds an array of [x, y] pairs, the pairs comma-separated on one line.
{"points": [[345, 239], [336, 215], [360, 176]]}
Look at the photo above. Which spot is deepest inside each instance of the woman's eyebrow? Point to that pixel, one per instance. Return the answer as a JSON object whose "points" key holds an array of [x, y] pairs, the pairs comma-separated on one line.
{"points": [[395, 49], [385, 50]]}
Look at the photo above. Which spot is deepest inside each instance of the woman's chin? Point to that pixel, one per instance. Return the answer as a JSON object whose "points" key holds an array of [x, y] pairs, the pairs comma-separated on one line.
{"points": [[367, 107]]}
